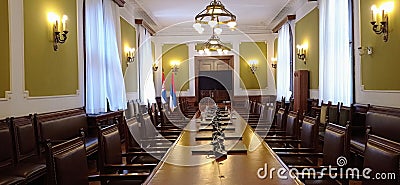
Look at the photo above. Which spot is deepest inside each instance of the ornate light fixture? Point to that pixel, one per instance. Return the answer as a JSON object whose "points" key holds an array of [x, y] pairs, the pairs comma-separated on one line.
{"points": [[382, 26], [301, 52], [274, 60], [130, 54], [253, 65], [58, 37], [175, 66], [213, 44], [214, 15]]}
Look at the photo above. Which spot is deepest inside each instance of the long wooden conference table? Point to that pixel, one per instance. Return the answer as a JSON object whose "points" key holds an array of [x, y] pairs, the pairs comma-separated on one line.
{"points": [[182, 166]]}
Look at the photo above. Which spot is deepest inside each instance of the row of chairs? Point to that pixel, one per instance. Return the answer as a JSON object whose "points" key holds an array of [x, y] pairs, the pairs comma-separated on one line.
{"points": [[380, 154]]}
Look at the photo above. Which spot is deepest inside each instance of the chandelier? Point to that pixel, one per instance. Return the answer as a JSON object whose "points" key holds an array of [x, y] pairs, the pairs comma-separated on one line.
{"points": [[213, 44], [214, 15]]}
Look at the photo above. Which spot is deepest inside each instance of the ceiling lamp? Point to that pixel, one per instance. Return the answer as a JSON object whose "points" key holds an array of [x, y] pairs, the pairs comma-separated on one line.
{"points": [[213, 15], [213, 44]]}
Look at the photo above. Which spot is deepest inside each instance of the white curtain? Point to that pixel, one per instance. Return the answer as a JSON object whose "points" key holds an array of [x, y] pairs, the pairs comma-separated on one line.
{"points": [[335, 76], [147, 91], [95, 66], [283, 63], [115, 80]]}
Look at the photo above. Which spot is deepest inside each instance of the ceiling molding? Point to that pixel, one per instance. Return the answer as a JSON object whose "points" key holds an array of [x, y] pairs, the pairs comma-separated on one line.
{"points": [[141, 13]]}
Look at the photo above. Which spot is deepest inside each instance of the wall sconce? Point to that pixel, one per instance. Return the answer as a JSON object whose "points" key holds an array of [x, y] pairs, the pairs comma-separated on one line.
{"points": [[380, 25], [155, 67], [130, 54], [361, 50], [253, 65], [175, 66], [274, 59], [58, 38], [301, 52]]}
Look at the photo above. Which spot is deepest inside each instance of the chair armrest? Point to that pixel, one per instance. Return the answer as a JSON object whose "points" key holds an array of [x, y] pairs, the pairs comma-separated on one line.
{"points": [[310, 150], [279, 138], [127, 176], [131, 166], [299, 154], [316, 168], [150, 153], [282, 140]]}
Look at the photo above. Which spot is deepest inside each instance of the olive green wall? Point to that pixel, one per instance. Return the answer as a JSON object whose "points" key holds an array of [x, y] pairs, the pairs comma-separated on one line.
{"points": [[179, 52], [49, 72], [4, 49], [380, 71], [307, 31], [253, 51], [128, 39]]}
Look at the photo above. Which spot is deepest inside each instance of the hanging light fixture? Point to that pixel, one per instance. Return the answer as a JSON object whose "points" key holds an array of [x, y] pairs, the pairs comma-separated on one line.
{"points": [[213, 44], [214, 14]]}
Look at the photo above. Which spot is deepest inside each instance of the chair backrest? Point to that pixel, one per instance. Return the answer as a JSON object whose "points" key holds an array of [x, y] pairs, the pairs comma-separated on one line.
{"points": [[324, 112], [25, 137], [109, 146], [292, 124], [130, 110], [310, 104], [336, 144], [381, 156], [67, 163], [281, 117], [62, 128], [384, 125], [6, 144], [150, 130], [345, 114], [133, 135], [333, 114], [309, 132]]}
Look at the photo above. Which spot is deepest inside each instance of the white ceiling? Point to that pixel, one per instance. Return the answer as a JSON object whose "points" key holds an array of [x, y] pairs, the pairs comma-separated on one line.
{"points": [[263, 14]]}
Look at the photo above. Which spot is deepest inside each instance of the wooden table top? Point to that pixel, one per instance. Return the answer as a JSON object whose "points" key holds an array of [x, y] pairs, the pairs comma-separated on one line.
{"points": [[180, 166]]}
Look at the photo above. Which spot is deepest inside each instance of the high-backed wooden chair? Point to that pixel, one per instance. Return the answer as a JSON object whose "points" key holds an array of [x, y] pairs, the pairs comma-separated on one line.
{"points": [[31, 165], [110, 154], [336, 144], [382, 156], [67, 164], [7, 174]]}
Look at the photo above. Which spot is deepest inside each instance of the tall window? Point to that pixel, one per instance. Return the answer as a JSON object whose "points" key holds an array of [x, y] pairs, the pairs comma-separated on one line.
{"points": [[285, 61], [335, 66]]}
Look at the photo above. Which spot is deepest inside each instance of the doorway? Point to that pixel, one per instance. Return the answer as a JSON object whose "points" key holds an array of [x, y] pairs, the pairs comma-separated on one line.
{"points": [[214, 77]]}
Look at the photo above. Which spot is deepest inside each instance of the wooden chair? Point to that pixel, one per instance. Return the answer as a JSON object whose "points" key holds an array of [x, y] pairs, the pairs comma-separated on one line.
{"points": [[308, 143], [382, 156], [110, 154], [336, 144], [67, 164]]}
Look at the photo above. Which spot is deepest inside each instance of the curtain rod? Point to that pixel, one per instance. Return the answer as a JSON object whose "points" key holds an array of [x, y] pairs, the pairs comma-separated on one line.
{"points": [[286, 19], [145, 25]]}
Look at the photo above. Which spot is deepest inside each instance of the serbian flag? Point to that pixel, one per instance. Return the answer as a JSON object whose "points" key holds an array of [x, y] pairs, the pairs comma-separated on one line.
{"points": [[163, 91], [172, 97]]}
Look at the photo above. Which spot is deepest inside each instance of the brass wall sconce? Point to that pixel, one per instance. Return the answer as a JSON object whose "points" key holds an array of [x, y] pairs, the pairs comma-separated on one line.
{"points": [[58, 37], [155, 67], [130, 54], [253, 65], [380, 24], [274, 65], [175, 66], [301, 52]]}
